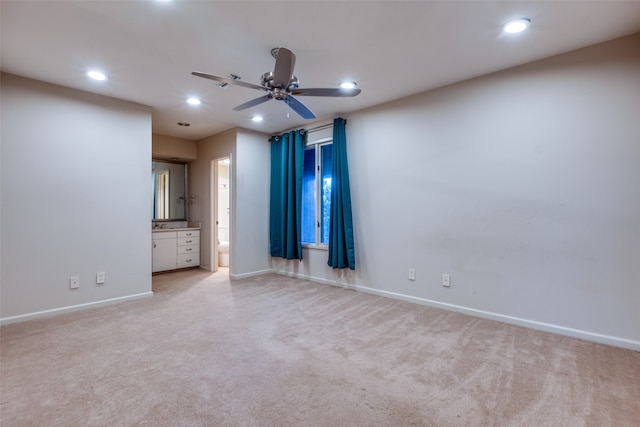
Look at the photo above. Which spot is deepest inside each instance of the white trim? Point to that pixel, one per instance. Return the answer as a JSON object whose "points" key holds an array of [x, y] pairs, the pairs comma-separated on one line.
{"points": [[321, 141], [250, 274], [213, 215], [531, 324], [214, 173], [316, 246], [318, 163], [312, 278], [47, 313]]}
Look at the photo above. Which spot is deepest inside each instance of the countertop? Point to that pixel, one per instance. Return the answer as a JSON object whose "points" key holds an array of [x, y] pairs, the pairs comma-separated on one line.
{"points": [[154, 230]]}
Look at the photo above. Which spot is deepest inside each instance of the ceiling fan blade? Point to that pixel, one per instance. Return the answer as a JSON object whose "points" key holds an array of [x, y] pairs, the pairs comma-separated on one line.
{"points": [[283, 70], [299, 108], [325, 92], [228, 80], [253, 103]]}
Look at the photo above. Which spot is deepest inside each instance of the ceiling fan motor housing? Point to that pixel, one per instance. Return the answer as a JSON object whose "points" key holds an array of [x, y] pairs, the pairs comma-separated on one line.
{"points": [[266, 80]]}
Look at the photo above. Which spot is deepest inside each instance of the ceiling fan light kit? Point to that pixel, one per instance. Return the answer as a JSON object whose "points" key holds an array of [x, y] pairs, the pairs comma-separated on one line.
{"points": [[281, 84]]}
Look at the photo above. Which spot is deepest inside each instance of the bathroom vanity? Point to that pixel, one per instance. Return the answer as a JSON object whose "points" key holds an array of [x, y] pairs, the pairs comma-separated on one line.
{"points": [[175, 248], [175, 244]]}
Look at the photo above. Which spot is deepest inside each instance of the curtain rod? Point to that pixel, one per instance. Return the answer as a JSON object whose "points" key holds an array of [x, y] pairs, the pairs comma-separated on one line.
{"points": [[328, 125], [317, 128]]}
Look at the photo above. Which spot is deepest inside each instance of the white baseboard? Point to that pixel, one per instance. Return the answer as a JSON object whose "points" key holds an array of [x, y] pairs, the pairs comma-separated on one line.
{"points": [[47, 313], [251, 274], [531, 324]]}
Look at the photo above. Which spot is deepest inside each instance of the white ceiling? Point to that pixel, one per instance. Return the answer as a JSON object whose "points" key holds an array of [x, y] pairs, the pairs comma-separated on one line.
{"points": [[392, 49]]}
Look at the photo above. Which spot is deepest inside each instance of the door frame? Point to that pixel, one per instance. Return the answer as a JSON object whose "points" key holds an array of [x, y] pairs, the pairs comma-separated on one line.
{"points": [[213, 209]]}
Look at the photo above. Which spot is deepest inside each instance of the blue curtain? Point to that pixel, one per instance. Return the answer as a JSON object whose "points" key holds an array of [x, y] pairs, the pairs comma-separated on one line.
{"points": [[341, 245], [287, 163]]}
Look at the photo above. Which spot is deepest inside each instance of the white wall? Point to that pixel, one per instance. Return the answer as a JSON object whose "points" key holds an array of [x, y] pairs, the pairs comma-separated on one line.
{"points": [[523, 185], [249, 249], [249, 204], [75, 198], [200, 181]]}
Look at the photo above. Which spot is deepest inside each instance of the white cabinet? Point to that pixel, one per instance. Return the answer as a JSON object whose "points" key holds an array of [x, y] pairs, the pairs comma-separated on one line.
{"points": [[175, 249], [188, 248], [164, 250]]}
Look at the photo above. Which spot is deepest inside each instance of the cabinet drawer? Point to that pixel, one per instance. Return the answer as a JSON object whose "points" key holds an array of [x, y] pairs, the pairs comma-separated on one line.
{"points": [[164, 235], [188, 260], [189, 249], [185, 241], [189, 233]]}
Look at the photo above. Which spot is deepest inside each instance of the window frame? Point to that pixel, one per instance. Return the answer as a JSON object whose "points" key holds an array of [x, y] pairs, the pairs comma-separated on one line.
{"points": [[317, 144]]}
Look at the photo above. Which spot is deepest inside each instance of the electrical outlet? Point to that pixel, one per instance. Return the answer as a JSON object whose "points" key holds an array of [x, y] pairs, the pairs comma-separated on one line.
{"points": [[446, 280], [412, 274], [74, 282], [100, 277]]}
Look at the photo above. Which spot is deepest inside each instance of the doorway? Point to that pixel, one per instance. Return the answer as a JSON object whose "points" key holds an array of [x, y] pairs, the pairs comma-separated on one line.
{"points": [[221, 213]]}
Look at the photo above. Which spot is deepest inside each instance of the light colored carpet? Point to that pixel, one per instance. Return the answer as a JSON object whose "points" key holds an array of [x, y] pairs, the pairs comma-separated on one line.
{"points": [[277, 351]]}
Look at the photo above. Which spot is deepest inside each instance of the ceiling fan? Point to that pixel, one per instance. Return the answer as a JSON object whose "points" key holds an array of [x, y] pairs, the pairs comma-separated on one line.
{"points": [[281, 84]]}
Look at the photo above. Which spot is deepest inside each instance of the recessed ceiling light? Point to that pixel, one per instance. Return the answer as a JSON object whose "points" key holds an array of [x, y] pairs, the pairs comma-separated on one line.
{"points": [[516, 26], [257, 118], [348, 85], [96, 75], [194, 101]]}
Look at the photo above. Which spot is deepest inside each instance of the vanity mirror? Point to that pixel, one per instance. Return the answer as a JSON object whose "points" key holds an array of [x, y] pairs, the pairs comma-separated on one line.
{"points": [[169, 184]]}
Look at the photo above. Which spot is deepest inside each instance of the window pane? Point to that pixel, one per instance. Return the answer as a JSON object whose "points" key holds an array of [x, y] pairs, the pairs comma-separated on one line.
{"points": [[309, 196], [326, 152]]}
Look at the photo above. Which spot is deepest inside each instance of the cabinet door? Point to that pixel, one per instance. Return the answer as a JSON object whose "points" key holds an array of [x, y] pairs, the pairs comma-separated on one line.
{"points": [[164, 255]]}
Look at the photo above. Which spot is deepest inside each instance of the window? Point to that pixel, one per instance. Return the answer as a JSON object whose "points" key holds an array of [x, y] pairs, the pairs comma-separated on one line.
{"points": [[316, 193]]}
